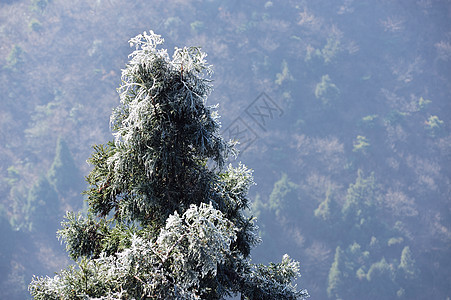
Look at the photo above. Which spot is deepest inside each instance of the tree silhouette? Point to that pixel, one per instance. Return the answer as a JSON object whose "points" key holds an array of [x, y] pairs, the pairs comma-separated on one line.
{"points": [[63, 173]]}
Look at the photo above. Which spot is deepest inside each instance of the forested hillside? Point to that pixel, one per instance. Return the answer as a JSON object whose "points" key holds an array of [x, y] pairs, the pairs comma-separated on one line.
{"points": [[341, 107]]}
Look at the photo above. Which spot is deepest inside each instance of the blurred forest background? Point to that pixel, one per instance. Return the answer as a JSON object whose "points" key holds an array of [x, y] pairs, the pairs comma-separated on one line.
{"points": [[342, 109]]}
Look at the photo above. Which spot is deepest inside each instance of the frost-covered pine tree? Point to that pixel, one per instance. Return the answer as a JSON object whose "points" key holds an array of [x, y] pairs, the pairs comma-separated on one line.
{"points": [[166, 216]]}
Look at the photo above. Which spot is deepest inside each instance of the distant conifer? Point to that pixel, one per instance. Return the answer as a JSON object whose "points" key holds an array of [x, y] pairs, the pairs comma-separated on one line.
{"points": [[63, 173]]}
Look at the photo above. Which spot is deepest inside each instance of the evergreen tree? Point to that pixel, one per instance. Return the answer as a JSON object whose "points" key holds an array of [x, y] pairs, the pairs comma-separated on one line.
{"points": [[381, 277], [335, 274], [327, 210], [360, 198], [63, 173], [284, 200], [42, 207], [170, 220], [359, 209], [407, 265]]}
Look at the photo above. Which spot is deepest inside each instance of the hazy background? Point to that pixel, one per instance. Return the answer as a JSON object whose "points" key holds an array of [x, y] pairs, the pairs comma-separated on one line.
{"points": [[342, 109]]}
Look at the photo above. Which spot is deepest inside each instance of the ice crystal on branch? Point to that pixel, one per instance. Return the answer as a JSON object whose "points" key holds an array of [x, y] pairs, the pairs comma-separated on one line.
{"points": [[164, 223]]}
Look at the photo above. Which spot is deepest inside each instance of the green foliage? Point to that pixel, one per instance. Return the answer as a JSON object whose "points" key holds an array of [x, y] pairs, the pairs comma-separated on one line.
{"points": [[331, 48], [45, 118], [326, 91], [13, 175], [150, 165], [312, 54], [273, 281], [283, 198], [268, 4], [284, 74], [170, 218], [328, 209], [395, 241], [360, 274], [15, 58], [423, 103], [348, 277], [360, 201], [172, 267], [35, 25], [63, 173], [187, 253], [329, 51], [20, 219], [380, 270], [384, 62], [368, 122], [407, 265], [335, 275], [434, 126], [381, 276], [83, 235], [349, 266], [42, 207], [361, 144], [366, 268]]}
